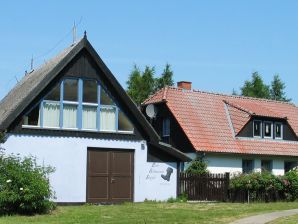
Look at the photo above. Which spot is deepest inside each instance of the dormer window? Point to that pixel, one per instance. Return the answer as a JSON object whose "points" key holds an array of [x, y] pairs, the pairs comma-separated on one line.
{"points": [[268, 126], [257, 129], [278, 130], [267, 129]]}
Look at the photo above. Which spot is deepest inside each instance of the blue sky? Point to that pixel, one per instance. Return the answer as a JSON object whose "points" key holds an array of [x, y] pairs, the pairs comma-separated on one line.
{"points": [[214, 44]]}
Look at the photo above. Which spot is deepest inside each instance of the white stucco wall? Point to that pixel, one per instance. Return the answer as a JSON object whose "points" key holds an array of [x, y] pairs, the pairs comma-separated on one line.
{"points": [[69, 156], [219, 163]]}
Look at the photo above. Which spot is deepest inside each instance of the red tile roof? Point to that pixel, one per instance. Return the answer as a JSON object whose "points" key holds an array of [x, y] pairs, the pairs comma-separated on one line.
{"points": [[211, 120]]}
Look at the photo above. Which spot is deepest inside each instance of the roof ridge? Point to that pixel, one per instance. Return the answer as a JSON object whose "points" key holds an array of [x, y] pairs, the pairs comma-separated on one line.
{"points": [[232, 96], [238, 107]]}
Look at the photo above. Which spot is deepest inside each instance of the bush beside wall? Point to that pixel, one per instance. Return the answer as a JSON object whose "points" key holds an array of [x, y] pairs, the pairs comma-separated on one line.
{"points": [[285, 187], [24, 186]]}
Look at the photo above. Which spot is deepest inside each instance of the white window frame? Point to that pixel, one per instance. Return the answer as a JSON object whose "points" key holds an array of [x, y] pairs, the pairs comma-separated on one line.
{"points": [[281, 130], [261, 129], [272, 129], [80, 105]]}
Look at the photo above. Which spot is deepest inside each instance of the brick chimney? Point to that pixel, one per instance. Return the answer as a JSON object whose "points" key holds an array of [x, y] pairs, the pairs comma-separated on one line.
{"points": [[184, 85]]}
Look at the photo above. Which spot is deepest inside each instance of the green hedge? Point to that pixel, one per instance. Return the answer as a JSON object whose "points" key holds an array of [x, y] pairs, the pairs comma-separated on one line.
{"points": [[286, 185], [24, 186]]}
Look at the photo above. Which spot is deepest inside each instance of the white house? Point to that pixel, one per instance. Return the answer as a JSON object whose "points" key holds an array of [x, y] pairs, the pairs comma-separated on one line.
{"points": [[231, 133], [72, 114]]}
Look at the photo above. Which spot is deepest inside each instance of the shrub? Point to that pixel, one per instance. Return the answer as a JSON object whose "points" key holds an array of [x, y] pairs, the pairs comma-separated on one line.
{"points": [[197, 166], [181, 198], [290, 183], [286, 186], [24, 186]]}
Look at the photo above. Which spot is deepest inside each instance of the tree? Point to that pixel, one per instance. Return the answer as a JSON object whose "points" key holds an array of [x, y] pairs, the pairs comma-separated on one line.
{"points": [[256, 87], [141, 85], [198, 166], [166, 78], [277, 89], [134, 84]]}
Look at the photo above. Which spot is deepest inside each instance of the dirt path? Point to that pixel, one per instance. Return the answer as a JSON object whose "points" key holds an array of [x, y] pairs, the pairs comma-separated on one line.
{"points": [[265, 218]]}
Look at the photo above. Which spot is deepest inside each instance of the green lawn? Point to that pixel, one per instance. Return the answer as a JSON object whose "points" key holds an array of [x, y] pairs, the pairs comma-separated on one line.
{"points": [[152, 213], [286, 220]]}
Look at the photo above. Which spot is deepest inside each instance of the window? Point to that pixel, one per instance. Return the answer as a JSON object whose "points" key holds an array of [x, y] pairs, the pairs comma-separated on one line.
{"points": [[51, 114], [257, 128], [75, 104], [33, 117], [124, 123], [105, 99], [107, 119], [90, 105], [268, 129], [89, 117], [70, 103], [54, 95], [70, 90], [266, 165], [278, 130], [166, 127], [166, 131], [51, 108], [247, 166], [290, 166], [90, 91]]}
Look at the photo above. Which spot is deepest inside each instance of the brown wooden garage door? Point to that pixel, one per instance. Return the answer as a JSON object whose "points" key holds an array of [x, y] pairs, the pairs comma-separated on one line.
{"points": [[110, 175]]}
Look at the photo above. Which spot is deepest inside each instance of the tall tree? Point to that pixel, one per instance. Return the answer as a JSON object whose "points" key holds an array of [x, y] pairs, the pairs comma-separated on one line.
{"points": [[141, 84], [166, 78], [147, 84], [256, 87], [134, 84], [277, 90]]}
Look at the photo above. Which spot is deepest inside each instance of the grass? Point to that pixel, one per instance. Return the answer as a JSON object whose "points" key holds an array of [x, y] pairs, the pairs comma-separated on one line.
{"points": [[151, 212], [288, 220]]}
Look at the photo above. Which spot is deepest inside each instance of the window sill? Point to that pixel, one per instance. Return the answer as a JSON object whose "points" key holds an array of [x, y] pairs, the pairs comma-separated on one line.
{"points": [[78, 130]]}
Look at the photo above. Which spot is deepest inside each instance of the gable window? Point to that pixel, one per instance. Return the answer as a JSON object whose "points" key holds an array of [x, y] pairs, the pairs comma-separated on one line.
{"points": [[166, 130], [70, 103], [257, 129], [247, 166], [33, 117], [268, 132], [79, 104], [90, 105], [278, 130], [124, 123], [266, 166], [51, 108]]}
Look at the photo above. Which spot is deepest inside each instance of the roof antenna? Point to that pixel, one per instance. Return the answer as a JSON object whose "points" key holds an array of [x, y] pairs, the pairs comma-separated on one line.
{"points": [[16, 78], [85, 34], [32, 62], [74, 33]]}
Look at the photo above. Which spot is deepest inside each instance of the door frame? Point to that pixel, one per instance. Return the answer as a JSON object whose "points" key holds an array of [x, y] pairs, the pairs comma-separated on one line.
{"points": [[117, 150]]}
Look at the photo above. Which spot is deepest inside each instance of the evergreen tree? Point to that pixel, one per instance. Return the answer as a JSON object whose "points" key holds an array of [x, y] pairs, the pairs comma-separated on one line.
{"points": [[141, 85], [277, 89], [134, 84], [256, 87], [166, 78]]}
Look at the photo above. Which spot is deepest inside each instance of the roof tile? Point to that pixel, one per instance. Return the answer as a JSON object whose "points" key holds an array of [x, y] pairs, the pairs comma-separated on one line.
{"points": [[205, 121]]}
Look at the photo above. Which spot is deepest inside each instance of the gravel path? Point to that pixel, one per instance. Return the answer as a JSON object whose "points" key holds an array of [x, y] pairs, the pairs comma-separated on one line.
{"points": [[265, 218]]}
